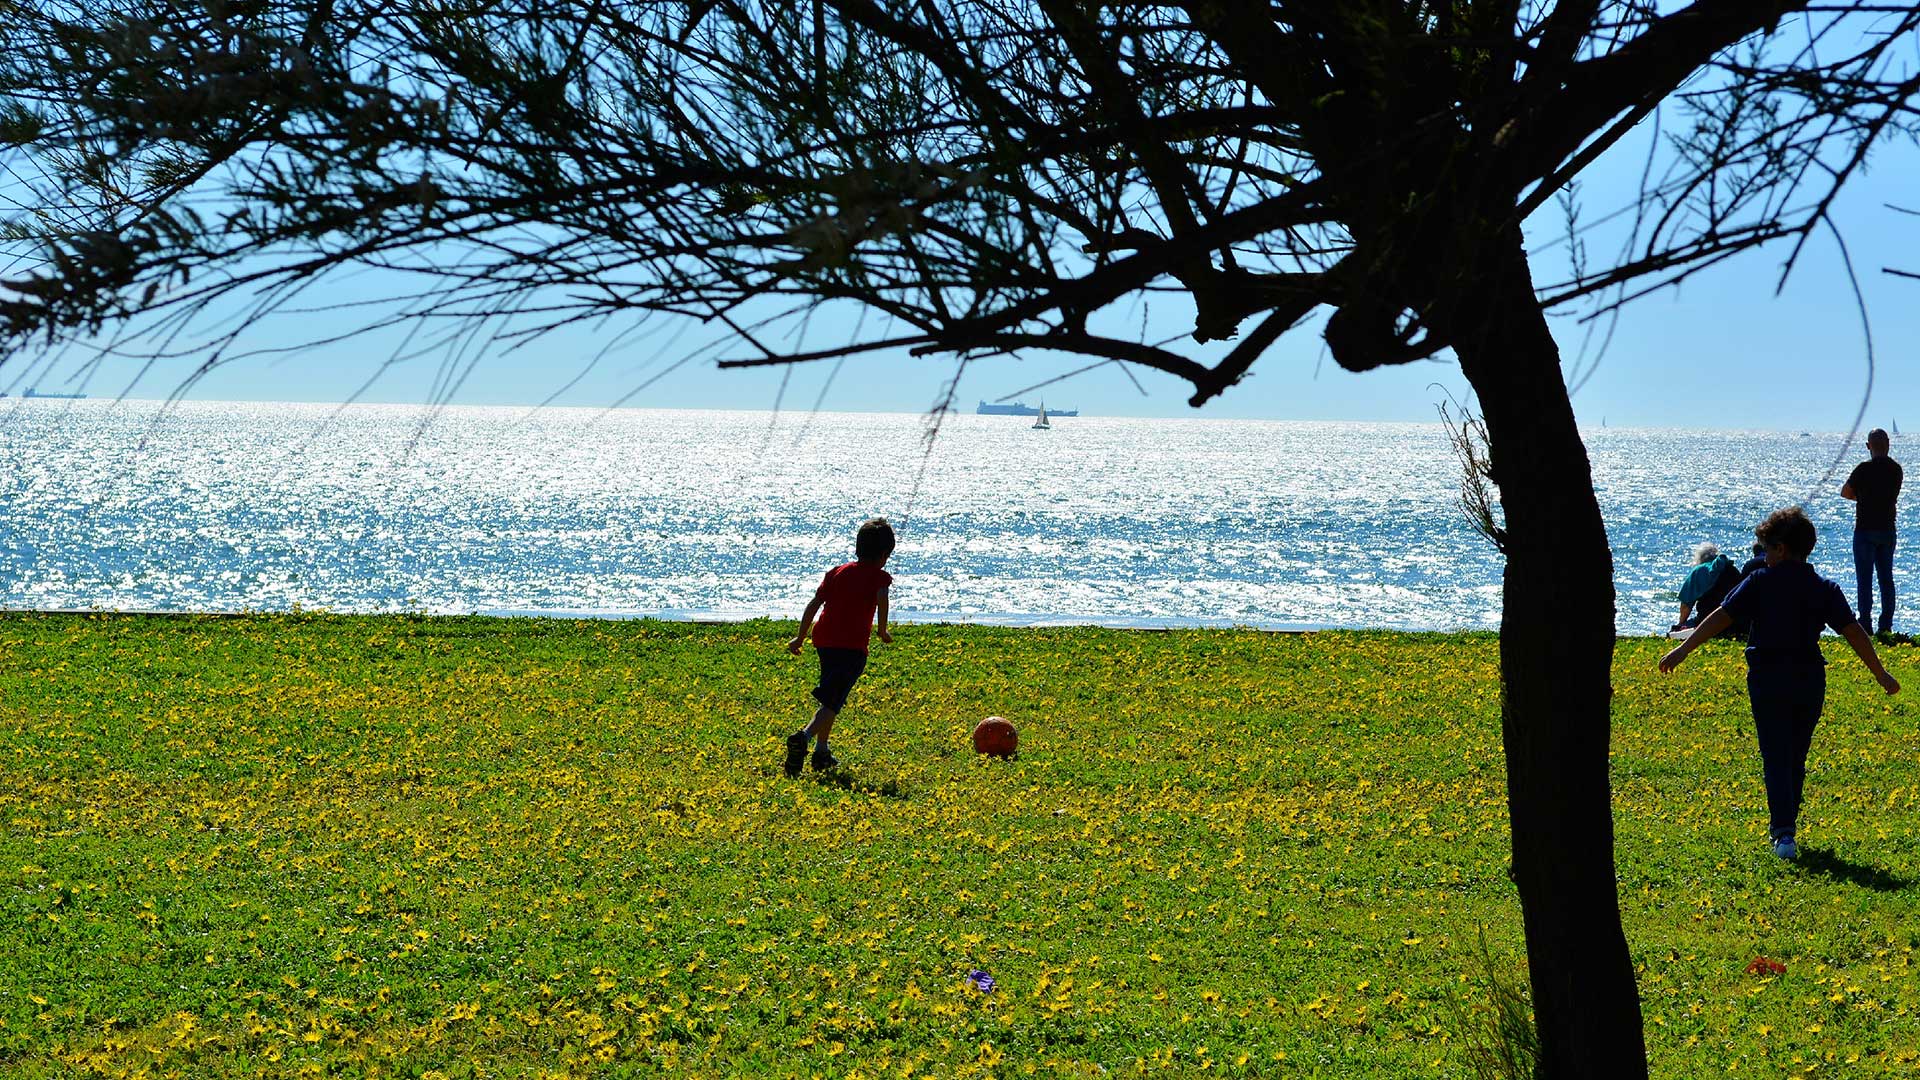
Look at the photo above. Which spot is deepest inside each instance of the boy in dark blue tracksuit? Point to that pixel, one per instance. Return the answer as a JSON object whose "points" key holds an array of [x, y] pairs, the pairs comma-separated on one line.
{"points": [[1787, 602]]}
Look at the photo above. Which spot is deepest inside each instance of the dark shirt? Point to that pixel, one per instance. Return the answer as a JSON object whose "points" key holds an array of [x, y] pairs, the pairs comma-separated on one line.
{"points": [[1786, 606], [1741, 626], [1716, 594], [1876, 484]]}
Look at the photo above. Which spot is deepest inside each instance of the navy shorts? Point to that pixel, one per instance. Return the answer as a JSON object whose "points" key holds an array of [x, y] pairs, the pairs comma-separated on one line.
{"points": [[839, 670]]}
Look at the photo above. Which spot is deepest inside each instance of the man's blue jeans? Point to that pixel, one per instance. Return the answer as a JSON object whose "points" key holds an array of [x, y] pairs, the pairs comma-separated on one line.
{"points": [[1786, 705], [1873, 554]]}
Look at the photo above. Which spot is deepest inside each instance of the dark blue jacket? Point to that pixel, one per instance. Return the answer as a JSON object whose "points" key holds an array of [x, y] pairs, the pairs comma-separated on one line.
{"points": [[1785, 607]]}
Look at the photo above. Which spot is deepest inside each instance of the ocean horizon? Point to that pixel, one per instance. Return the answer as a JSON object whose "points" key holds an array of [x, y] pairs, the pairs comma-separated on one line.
{"points": [[1186, 414], [732, 514]]}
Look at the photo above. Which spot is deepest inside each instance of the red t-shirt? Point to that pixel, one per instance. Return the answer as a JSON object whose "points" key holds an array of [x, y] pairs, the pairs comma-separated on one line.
{"points": [[850, 594]]}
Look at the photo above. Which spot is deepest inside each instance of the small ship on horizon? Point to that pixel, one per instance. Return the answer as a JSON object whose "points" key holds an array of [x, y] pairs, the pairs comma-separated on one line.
{"points": [[33, 393], [1020, 408]]}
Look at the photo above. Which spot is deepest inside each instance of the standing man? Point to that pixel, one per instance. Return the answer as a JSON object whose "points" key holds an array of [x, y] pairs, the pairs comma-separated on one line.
{"points": [[1874, 486]]}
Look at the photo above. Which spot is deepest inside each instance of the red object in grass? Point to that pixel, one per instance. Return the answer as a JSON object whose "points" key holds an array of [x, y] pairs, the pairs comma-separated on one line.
{"points": [[1766, 965], [995, 736]]}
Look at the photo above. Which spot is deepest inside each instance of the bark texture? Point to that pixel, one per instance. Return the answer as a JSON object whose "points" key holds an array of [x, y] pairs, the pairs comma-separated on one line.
{"points": [[1556, 655]]}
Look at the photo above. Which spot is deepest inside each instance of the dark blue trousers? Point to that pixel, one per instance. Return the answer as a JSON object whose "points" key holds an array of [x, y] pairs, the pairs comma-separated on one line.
{"points": [[1787, 699], [1873, 557]]}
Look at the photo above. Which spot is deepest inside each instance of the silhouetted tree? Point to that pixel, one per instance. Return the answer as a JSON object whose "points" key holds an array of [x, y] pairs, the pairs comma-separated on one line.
{"points": [[988, 176]]}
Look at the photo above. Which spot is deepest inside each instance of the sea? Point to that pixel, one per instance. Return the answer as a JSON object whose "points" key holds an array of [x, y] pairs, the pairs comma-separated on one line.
{"points": [[684, 514]]}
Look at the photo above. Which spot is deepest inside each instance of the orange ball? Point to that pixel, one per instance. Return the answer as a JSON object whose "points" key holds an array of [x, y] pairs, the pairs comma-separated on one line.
{"points": [[995, 735]]}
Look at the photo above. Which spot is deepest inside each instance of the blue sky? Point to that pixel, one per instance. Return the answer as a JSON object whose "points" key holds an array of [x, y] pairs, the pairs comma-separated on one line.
{"points": [[1721, 351]]}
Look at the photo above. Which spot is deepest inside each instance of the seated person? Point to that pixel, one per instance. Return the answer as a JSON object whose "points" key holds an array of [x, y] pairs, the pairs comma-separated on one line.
{"points": [[1741, 626], [1712, 578]]}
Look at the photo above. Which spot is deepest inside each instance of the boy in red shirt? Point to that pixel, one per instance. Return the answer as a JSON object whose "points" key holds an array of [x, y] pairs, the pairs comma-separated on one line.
{"points": [[852, 594]]}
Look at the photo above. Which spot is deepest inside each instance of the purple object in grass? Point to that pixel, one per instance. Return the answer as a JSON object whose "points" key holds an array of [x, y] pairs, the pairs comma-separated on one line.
{"points": [[981, 981]]}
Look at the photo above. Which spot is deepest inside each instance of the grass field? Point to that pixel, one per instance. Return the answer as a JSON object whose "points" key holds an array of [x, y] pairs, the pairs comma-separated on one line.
{"points": [[469, 847]]}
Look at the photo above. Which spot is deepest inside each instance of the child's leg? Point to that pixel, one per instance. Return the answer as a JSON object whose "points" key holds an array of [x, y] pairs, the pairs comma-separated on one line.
{"points": [[839, 670], [1786, 706], [1809, 698], [829, 695], [817, 728], [1799, 742]]}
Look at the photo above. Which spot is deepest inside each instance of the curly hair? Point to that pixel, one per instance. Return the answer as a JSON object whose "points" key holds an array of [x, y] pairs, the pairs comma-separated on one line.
{"points": [[1791, 527]]}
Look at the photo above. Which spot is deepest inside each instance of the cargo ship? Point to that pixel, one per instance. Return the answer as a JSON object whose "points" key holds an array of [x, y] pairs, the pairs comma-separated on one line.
{"points": [[32, 393], [1020, 408]]}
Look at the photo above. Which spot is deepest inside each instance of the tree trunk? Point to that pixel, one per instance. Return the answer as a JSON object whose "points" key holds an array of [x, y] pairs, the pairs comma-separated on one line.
{"points": [[1556, 652]]}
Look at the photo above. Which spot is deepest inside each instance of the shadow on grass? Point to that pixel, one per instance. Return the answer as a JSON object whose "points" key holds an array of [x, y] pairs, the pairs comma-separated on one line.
{"points": [[1831, 864], [845, 779]]}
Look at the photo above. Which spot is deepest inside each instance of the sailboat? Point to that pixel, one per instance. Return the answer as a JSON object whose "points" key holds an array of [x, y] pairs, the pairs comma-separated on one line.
{"points": [[1896, 427], [1041, 424]]}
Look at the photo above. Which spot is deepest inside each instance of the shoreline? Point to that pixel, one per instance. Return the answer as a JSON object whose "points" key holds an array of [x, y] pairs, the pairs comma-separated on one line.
{"points": [[722, 618], [695, 617], [700, 617]]}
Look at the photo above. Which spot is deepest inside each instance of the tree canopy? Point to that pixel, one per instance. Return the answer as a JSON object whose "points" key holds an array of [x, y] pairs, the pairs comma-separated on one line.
{"points": [[987, 176]]}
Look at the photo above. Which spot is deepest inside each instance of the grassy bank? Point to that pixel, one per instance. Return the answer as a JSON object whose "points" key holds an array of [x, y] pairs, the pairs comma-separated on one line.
{"points": [[496, 847]]}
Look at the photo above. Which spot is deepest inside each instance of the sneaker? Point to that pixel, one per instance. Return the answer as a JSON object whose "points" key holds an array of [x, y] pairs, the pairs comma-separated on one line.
{"points": [[824, 761], [796, 753], [1785, 848]]}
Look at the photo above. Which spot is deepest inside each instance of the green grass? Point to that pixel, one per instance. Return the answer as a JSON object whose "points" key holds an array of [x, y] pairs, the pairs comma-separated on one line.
{"points": [[393, 846]]}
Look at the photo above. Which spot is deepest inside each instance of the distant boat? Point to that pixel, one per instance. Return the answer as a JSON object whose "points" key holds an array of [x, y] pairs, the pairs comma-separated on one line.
{"points": [[31, 392], [1041, 424], [1018, 408], [1896, 427]]}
